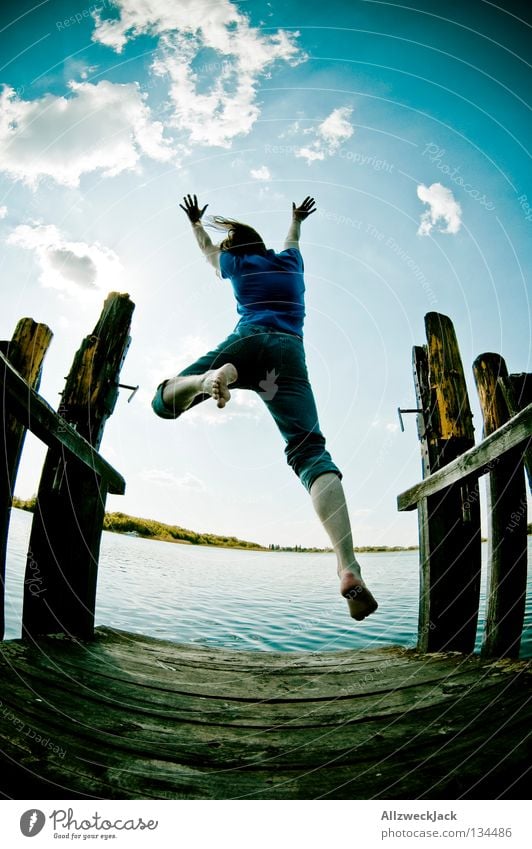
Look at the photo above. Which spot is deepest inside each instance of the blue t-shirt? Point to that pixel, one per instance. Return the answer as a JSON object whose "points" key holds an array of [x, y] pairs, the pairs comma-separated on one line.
{"points": [[269, 289]]}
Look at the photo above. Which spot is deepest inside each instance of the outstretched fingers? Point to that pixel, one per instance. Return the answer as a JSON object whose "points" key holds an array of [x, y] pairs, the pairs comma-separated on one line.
{"points": [[191, 208], [307, 207]]}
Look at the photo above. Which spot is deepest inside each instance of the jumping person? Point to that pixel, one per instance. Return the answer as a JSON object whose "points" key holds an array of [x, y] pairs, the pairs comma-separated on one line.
{"points": [[265, 353]]}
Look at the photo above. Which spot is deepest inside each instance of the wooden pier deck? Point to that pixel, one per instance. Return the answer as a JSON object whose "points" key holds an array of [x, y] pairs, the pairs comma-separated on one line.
{"points": [[128, 716]]}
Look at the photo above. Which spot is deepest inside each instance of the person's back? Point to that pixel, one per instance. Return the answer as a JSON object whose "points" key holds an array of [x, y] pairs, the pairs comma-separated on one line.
{"points": [[269, 288]]}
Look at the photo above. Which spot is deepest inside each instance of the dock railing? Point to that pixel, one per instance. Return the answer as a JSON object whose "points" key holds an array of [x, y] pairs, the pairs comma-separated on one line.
{"points": [[62, 561], [448, 500]]}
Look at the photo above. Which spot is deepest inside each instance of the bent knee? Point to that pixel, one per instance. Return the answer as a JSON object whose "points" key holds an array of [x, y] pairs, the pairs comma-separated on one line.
{"points": [[309, 458], [164, 411]]}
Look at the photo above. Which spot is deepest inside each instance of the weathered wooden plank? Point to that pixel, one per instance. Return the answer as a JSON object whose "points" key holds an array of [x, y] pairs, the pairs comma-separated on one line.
{"points": [[517, 393], [272, 671], [135, 731], [118, 737], [25, 352], [260, 712], [507, 521], [469, 738], [196, 704], [477, 461], [72, 687], [451, 416], [229, 666], [68, 518], [91, 390], [449, 523], [240, 659], [52, 429]]}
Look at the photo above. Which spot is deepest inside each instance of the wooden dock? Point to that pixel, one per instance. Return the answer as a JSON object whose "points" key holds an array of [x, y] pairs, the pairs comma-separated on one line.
{"points": [[131, 717]]}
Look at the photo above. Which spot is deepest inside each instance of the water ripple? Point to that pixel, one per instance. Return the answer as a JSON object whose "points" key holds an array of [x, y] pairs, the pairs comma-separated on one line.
{"points": [[264, 601]]}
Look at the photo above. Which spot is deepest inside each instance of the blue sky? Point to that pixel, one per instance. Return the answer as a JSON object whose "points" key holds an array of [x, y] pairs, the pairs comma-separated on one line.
{"points": [[409, 124]]}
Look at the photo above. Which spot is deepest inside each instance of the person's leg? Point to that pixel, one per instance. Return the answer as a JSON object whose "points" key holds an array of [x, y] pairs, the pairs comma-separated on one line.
{"points": [[328, 498], [179, 392], [208, 377], [294, 410]]}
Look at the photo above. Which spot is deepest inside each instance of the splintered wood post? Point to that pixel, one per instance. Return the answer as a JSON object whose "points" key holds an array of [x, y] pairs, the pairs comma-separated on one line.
{"points": [[62, 564], [449, 522], [507, 521], [26, 352]]}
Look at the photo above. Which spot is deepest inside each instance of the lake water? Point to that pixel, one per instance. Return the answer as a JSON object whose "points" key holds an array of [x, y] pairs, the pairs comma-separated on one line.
{"points": [[266, 601]]}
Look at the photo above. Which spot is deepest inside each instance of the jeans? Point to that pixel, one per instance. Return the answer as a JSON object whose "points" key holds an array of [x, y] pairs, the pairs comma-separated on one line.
{"points": [[273, 365]]}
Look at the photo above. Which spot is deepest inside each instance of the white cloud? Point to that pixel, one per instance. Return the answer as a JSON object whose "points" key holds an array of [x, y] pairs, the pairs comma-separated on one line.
{"points": [[336, 127], [96, 127], [329, 135], [444, 212], [212, 113], [3, 211], [262, 173], [162, 477], [73, 267], [310, 154]]}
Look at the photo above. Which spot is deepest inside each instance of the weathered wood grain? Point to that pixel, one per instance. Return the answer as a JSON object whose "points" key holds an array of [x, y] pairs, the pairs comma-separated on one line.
{"points": [[68, 519], [507, 520], [477, 461], [52, 429], [517, 392], [25, 352], [449, 523], [257, 725], [451, 416]]}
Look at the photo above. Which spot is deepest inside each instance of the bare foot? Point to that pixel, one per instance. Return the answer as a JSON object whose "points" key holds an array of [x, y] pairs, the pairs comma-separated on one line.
{"points": [[216, 382], [359, 599]]}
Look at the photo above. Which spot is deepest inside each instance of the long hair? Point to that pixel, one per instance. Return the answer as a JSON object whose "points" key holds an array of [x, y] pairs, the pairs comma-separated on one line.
{"points": [[241, 238]]}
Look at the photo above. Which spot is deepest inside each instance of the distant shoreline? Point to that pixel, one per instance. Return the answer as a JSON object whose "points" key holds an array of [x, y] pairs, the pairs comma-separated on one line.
{"points": [[122, 523]]}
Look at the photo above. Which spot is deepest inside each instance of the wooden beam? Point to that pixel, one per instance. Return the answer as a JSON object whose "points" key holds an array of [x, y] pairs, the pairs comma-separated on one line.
{"points": [[475, 462], [517, 392], [39, 417], [68, 519], [451, 413], [507, 520], [26, 352], [449, 523]]}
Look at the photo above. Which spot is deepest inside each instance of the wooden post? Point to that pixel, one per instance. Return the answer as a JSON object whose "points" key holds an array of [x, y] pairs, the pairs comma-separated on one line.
{"points": [[26, 352], [62, 565], [449, 522], [507, 521], [517, 393]]}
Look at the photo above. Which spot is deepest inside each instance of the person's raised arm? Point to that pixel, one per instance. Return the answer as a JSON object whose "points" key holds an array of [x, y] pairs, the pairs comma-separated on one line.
{"points": [[299, 213], [194, 214]]}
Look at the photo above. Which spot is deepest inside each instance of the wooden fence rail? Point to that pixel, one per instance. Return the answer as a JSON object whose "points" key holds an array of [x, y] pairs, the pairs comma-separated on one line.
{"points": [[62, 562], [479, 460], [448, 500], [25, 405]]}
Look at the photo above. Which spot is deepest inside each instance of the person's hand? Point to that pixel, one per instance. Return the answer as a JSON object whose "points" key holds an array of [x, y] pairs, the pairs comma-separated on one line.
{"points": [[192, 209], [299, 213]]}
